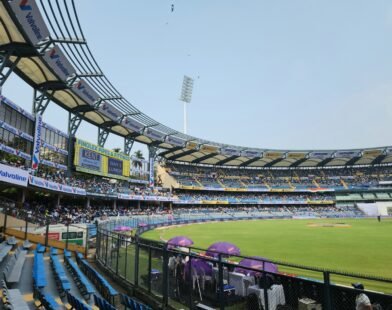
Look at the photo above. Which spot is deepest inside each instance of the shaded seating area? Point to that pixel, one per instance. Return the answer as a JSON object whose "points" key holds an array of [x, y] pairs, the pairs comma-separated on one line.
{"points": [[130, 303], [102, 304], [12, 299], [62, 283], [103, 286], [14, 267], [83, 284], [76, 303]]}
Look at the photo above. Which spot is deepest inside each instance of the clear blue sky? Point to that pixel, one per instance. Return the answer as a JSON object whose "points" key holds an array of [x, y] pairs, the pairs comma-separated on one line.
{"points": [[300, 74]]}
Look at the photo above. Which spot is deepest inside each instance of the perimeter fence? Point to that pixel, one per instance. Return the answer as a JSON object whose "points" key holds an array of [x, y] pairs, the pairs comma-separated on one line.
{"points": [[187, 278]]}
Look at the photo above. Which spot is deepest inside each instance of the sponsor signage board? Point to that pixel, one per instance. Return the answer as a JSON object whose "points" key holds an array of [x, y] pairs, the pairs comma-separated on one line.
{"points": [[13, 175], [56, 59], [29, 16]]}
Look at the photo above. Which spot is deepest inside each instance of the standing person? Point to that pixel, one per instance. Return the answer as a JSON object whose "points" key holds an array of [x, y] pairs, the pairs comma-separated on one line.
{"points": [[379, 218], [362, 301]]}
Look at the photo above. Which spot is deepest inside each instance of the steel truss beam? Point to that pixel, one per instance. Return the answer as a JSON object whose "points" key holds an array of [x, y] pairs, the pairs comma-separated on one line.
{"points": [[40, 101], [6, 66], [102, 136], [152, 152], [128, 143], [74, 121]]}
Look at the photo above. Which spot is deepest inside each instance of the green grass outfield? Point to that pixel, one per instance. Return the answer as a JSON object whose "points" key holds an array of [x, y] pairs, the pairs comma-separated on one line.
{"points": [[363, 248]]}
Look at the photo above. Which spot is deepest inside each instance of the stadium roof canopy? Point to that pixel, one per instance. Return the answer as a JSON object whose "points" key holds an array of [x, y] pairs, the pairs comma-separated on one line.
{"points": [[47, 48]]}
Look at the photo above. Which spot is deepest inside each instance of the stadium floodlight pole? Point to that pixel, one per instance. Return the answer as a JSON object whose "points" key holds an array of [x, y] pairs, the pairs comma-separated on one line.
{"points": [[186, 96]]}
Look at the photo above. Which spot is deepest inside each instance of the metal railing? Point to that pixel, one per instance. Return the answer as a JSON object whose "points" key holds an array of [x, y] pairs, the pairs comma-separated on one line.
{"points": [[190, 279]]}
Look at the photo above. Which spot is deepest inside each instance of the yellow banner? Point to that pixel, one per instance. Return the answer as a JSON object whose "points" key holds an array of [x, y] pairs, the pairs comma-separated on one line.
{"points": [[372, 153], [191, 145], [209, 148], [273, 155], [296, 155]]}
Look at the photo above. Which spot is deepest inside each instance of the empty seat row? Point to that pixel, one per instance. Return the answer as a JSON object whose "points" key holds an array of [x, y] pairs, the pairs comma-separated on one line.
{"points": [[102, 304], [79, 278], [76, 303], [62, 282], [103, 286], [40, 248], [46, 301], [39, 274]]}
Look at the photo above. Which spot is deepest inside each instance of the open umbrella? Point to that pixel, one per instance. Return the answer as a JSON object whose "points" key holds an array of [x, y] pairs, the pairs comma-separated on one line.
{"points": [[225, 248], [143, 224], [180, 241], [200, 266], [122, 228], [255, 262]]}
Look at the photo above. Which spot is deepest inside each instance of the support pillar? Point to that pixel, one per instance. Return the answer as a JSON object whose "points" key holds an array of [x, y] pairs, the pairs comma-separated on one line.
{"points": [[138, 204], [102, 136], [152, 152], [88, 201], [128, 143], [73, 125], [114, 205], [40, 101], [21, 197], [58, 199]]}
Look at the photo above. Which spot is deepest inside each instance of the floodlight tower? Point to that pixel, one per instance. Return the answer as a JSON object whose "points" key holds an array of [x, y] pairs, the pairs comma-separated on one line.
{"points": [[186, 96]]}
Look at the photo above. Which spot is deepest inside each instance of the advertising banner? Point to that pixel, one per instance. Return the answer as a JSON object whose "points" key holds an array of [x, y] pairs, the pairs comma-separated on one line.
{"points": [[273, 155], [191, 145], [115, 166], [56, 59], [109, 111], [53, 165], [372, 153], [29, 16], [230, 151], [84, 91], [132, 125], [347, 154], [296, 155], [12, 151], [90, 159], [154, 134], [59, 132], [54, 148], [251, 153], [320, 155], [37, 141], [15, 131], [40, 182], [175, 141], [13, 175], [16, 108], [209, 148]]}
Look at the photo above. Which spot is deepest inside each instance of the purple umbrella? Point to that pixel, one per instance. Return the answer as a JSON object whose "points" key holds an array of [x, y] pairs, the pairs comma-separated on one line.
{"points": [[200, 266], [224, 248], [180, 241], [255, 262], [142, 224], [122, 228]]}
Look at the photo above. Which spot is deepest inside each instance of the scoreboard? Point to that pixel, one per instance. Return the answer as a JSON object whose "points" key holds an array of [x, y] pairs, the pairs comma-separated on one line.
{"points": [[91, 158]]}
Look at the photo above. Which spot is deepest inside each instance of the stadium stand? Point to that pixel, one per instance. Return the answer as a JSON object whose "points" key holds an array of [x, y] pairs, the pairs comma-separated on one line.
{"points": [[12, 299], [13, 269]]}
